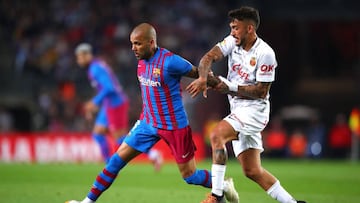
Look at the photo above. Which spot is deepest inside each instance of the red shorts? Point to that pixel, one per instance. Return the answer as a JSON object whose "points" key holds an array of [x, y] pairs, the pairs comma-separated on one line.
{"points": [[118, 117], [180, 142]]}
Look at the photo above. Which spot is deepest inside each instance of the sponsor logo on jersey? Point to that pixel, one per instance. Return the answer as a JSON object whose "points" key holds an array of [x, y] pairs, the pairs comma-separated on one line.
{"points": [[148, 82], [156, 72], [240, 71], [266, 69], [252, 61]]}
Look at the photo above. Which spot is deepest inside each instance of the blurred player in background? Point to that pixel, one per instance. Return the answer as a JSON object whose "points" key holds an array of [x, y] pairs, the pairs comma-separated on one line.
{"points": [[110, 104], [251, 64], [163, 117]]}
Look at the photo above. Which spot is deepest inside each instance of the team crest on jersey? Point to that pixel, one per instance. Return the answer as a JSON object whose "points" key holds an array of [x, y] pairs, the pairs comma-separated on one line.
{"points": [[253, 61], [156, 72]]}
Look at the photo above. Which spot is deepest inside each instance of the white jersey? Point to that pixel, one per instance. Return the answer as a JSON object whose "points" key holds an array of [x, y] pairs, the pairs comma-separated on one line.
{"points": [[248, 67]]}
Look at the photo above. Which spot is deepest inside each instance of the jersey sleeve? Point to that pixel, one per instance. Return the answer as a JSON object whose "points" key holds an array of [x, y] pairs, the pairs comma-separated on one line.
{"points": [[178, 65], [227, 45], [104, 81], [266, 67]]}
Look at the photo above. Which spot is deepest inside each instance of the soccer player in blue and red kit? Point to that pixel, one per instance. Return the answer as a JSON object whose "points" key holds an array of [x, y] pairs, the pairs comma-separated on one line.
{"points": [[110, 103], [163, 116]]}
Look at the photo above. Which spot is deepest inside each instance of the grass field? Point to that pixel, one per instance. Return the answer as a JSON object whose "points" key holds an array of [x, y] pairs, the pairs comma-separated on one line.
{"points": [[316, 182]]}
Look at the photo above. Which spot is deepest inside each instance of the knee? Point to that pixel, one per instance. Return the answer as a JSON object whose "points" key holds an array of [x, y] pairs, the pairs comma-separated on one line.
{"points": [[216, 140], [119, 133], [253, 173]]}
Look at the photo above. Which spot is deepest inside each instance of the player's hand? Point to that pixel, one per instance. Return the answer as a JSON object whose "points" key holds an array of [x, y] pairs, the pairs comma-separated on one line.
{"points": [[90, 106], [89, 116], [90, 109], [197, 86]]}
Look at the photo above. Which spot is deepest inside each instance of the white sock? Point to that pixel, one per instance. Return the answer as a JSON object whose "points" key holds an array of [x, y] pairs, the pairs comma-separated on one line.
{"points": [[87, 200], [153, 154], [217, 178], [278, 193]]}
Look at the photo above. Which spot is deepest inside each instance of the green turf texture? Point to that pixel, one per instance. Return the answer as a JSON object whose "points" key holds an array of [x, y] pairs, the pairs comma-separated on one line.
{"points": [[313, 181]]}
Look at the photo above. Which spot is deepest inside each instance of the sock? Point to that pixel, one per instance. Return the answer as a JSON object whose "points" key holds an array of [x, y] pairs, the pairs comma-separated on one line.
{"points": [[153, 154], [106, 177], [218, 175], [120, 140], [104, 146], [278, 193], [200, 177]]}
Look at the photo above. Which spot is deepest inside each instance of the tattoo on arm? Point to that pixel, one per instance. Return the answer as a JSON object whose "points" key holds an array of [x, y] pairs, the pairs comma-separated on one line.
{"points": [[220, 156], [206, 61], [212, 81], [257, 91]]}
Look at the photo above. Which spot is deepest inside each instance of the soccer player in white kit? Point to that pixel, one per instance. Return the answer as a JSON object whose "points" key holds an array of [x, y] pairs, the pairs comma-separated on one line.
{"points": [[252, 64]]}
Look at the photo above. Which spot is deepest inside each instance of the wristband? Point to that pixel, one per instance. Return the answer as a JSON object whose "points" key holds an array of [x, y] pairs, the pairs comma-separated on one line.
{"points": [[232, 87]]}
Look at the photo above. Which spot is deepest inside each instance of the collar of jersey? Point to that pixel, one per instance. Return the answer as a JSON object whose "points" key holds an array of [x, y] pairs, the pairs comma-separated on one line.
{"points": [[253, 46]]}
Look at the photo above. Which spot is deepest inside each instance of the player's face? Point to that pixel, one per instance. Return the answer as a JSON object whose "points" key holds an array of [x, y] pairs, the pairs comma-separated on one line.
{"points": [[83, 59], [141, 46], [240, 31]]}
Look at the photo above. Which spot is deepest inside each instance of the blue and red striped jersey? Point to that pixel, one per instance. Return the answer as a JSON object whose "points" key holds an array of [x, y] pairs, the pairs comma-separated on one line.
{"points": [[102, 78], [159, 79]]}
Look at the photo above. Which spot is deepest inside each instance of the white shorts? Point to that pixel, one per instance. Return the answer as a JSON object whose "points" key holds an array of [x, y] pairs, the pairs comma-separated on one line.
{"points": [[249, 122]]}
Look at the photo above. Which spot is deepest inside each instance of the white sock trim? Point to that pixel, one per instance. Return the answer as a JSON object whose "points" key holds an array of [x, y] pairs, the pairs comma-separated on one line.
{"points": [[273, 187], [87, 200], [277, 192]]}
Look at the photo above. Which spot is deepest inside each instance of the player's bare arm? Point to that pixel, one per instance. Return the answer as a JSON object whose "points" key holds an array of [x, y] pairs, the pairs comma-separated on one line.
{"points": [[212, 81], [257, 91], [199, 85]]}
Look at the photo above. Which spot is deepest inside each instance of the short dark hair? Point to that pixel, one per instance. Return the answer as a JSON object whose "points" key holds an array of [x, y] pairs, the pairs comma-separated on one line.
{"points": [[245, 13]]}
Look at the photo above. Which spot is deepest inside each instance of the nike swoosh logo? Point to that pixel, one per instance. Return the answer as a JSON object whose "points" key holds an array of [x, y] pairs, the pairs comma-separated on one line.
{"points": [[185, 155]]}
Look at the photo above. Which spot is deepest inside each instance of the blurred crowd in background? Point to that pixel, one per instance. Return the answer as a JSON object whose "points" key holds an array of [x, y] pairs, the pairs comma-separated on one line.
{"points": [[317, 46]]}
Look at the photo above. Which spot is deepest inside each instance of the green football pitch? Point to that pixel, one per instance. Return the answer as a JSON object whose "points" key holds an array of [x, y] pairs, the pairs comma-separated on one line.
{"points": [[314, 181]]}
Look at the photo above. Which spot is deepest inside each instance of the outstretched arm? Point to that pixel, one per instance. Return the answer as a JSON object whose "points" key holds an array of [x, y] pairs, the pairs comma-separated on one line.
{"points": [[212, 81], [206, 61], [257, 91], [199, 85]]}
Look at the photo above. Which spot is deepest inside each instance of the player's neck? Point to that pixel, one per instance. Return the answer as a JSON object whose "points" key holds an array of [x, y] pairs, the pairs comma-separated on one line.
{"points": [[252, 39], [152, 53]]}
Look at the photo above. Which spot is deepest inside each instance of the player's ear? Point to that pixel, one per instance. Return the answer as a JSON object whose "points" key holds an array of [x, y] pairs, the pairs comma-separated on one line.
{"points": [[152, 42], [250, 28]]}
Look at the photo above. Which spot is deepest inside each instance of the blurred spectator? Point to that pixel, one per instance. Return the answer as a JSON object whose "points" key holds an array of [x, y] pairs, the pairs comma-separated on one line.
{"points": [[339, 138], [316, 138], [276, 139], [297, 144]]}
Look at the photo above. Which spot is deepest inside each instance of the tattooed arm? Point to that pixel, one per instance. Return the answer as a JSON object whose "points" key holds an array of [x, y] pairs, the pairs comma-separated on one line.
{"points": [[257, 91], [199, 85], [211, 81]]}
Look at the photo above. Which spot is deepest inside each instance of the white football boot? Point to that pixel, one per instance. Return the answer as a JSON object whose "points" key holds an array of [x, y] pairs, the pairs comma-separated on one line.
{"points": [[230, 192]]}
